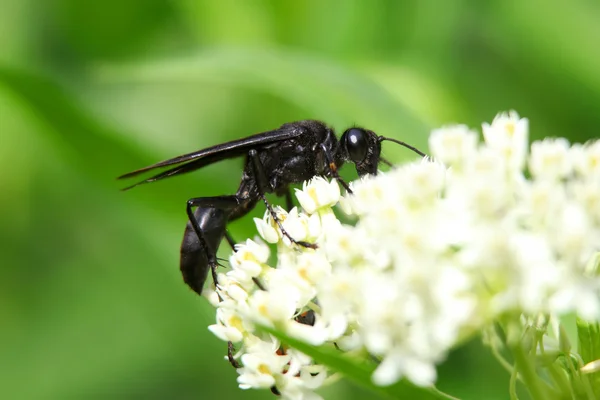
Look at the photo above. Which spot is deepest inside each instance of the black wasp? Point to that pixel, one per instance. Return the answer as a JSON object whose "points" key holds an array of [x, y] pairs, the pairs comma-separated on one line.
{"points": [[294, 153]]}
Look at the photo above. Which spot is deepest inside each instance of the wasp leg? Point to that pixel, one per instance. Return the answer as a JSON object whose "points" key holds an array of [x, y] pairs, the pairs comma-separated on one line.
{"points": [[333, 168], [275, 391], [230, 351], [263, 187], [208, 223], [230, 240], [289, 201]]}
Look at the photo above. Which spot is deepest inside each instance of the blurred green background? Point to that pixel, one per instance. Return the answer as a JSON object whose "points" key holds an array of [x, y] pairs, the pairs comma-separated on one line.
{"points": [[92, 304]]}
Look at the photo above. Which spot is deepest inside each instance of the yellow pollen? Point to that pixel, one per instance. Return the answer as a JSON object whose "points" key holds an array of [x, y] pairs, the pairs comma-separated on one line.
{"points": [[263, 309], [412, 241], [342, 287], [378, 192], [391, 213], [235, 322], [263, 369], [344, 244], [303, 272], [510, 128]]}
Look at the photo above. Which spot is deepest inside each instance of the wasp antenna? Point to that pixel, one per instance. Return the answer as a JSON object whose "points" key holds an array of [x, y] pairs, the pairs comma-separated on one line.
{"points": [[408, 146]]}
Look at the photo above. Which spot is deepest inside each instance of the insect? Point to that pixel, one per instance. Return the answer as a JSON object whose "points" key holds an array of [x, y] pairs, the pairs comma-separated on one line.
{"points": [[293, 153]]}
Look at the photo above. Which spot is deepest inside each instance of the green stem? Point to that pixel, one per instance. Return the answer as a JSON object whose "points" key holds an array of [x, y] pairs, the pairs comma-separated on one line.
{"points": [[527, 371], [503, 361], [557, 374], [561, 381], [576, 376], [512, 388], [441, 394]]}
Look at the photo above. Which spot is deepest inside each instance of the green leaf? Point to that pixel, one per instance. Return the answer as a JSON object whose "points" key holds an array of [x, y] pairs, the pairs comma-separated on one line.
{"points": [[83, 138], [323, 88], [589, 348], [86, 142], [357, 371]]}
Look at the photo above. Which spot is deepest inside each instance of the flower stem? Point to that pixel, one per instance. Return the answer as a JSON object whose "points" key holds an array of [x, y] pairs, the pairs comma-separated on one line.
{"points": [[442, 395], [512, 388], [527, 371], [503, 362]]}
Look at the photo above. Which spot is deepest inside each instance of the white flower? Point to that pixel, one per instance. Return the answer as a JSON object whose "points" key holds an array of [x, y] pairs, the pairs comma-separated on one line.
{"points": [[248, 261], [586, 159], [318, 193], [251, 251], [234, 288], [587, 194], [436, 252], [369, 191], [453, 145], [506, 128], [579, 294], [421, 182], [267, 229], [508, 135], [262, 365], [231, 327], [345, 244], [550, 159], [573, 240], [278, 305], [304, 271], [300, 227], [397, 365], [297, 388], [339, 292], [302, 377], [542, 201], [297, 226]]}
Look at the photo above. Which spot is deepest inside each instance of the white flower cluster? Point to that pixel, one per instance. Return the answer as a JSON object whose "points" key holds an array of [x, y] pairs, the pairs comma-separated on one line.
{"points": [[439, 249]]}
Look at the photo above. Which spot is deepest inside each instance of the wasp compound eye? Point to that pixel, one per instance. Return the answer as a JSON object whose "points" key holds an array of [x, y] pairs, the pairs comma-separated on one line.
{"points": [[356, 143]]}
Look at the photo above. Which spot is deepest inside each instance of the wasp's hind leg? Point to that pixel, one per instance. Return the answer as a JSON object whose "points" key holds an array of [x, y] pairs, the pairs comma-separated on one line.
{"points": [[203, 234], [230, 348]]}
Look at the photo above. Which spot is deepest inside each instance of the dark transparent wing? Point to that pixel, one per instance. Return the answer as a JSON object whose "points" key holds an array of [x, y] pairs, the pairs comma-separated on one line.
{"points": [[200, 158]]}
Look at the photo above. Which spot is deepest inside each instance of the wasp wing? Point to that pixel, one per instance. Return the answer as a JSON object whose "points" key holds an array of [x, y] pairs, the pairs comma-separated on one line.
{"points": [[200, 158]]}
